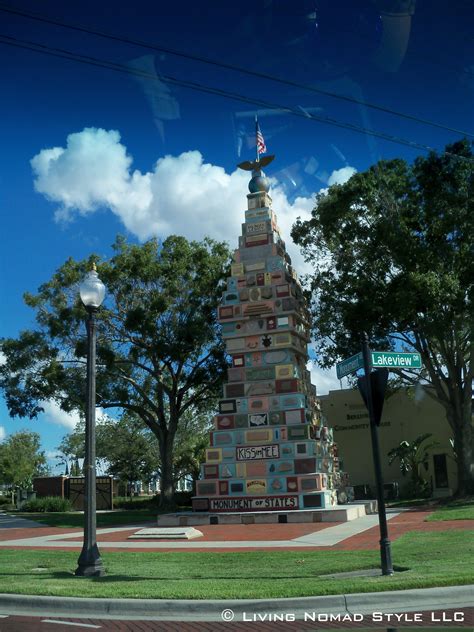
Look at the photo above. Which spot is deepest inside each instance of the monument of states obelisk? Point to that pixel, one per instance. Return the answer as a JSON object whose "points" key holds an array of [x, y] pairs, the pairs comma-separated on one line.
{"points": [[269, 449]]}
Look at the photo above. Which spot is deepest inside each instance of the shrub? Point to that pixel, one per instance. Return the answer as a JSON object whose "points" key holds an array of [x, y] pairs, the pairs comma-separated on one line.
{"points": [[137, 502], [48, 504], [5, 500], [183, 499], [420, 489]]}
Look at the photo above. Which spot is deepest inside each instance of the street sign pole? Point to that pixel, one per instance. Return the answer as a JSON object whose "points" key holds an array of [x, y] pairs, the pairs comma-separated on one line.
{"points": [[385, 551]]}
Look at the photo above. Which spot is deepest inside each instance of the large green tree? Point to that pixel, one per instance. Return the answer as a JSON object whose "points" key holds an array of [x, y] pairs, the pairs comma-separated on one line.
{"points": [[192, 441], [159, 353], [393, 254], [129, 448], [21, 459], [126, 448]]}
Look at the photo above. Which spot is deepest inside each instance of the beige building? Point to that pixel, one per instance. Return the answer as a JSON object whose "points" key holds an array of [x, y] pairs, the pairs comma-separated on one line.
{"points": [[406, 415]]}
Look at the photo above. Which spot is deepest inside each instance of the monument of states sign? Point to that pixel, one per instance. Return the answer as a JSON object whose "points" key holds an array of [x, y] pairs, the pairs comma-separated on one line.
{"points": [[269, 449]]}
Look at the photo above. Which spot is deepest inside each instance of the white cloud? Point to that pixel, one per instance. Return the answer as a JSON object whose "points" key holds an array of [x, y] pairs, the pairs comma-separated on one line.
{"points": [[55, 415], [52, 454], [324, 379], [3, 433], [182, 195], [91, 172], [3, 358], [340, 176]]}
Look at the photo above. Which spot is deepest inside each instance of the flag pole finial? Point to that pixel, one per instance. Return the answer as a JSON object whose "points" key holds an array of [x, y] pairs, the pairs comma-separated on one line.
{"points": [[258, 182]]}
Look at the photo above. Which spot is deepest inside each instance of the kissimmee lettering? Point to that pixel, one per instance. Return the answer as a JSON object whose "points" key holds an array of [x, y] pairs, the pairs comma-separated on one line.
{"points": [[252, 504], [251, 453]]}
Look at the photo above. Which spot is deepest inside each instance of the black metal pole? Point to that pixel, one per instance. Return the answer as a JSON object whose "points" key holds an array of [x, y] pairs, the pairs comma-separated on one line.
{"points": [[89, 562], [385, 551]]}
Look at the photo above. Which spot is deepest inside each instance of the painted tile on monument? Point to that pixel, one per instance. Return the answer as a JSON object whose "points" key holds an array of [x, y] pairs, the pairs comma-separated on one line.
{"points": [[206, 488], [276, 418], [277, 485], [236, 375], [227, 406], [259, 388], [258, 419], [256, 486], [305, 466], [257, 404], [241, 421], [259, 436], [260, 373], [234, 390], [224, 422], [213, 455], [223, 438], [257, 309], [256, 468], [254, 266], [237, 269]]}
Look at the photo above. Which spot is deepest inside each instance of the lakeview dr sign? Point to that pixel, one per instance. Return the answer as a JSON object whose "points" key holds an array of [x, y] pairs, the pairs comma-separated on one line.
{"points": [[389, 359]]}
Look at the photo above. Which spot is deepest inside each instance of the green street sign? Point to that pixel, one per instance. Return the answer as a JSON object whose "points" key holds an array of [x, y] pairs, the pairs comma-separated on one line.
{"points": [[350, 365], [388, 359]]}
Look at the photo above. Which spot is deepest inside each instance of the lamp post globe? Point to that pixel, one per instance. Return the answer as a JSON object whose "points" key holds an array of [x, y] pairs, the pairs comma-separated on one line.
{"points": [[92, 292]]}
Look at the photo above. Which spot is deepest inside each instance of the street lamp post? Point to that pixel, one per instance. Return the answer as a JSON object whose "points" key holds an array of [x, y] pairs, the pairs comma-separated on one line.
{"points": [[92, 292]]}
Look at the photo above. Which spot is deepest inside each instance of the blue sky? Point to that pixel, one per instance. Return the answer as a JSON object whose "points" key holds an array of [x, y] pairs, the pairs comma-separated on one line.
{"points": [[89, 152]]}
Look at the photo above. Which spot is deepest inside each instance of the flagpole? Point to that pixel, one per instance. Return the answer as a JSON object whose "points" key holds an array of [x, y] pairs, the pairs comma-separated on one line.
{"points": [[256, 138]]}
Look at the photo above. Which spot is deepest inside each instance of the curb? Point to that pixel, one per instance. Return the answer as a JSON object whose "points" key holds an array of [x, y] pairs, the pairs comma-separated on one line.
{"points": [[430, 599]]}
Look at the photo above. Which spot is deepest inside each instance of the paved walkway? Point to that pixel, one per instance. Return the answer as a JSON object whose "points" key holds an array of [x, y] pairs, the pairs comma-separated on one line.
{"points": [[8, 521], [359, 534]]}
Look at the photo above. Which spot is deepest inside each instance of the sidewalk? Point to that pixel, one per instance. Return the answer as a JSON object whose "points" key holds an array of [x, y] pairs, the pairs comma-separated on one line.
{"points": [[359, 534]]}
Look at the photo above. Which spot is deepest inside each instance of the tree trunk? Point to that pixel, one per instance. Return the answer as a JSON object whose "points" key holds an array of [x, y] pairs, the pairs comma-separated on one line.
{"points": [[460, 420], [463, 438], [166, 482]]}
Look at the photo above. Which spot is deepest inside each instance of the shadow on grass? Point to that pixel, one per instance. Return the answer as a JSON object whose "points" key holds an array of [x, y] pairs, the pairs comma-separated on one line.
{"points": [[111, 578]]}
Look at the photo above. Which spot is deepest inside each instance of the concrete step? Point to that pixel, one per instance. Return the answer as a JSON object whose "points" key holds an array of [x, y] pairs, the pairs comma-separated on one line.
{"points": [[340, 513]]}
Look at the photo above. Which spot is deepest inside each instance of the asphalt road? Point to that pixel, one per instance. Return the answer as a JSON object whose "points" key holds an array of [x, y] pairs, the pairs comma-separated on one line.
{"points": [[448, 620]]}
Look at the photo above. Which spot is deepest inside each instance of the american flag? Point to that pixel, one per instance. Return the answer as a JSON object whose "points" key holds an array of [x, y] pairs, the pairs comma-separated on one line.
{"points": [[261, 147]]}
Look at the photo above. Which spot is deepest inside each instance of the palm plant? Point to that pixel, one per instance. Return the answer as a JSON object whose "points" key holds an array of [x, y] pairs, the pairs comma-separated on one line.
{"points": [[412, 455]]}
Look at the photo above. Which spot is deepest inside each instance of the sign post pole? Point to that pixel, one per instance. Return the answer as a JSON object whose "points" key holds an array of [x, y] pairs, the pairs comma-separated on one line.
{"points": [[385, 551]]}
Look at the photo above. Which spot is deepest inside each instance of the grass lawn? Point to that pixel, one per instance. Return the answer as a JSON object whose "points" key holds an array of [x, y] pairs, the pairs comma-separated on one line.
{"points": [[462, 509], [70, 520], [431, 559], [413, 502]]}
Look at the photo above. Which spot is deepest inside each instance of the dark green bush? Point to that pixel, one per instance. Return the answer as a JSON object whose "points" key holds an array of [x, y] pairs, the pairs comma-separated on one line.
{"points": [[5, 500], [183, 500], [136, 502], [48, 504], [420, 489]]}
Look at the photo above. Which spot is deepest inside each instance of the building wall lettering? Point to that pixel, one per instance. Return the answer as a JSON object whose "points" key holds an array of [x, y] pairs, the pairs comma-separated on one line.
{"points": [[358, 426]]}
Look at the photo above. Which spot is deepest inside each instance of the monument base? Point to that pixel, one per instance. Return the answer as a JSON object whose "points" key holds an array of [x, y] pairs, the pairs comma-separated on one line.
{"points": [[339, 513]]}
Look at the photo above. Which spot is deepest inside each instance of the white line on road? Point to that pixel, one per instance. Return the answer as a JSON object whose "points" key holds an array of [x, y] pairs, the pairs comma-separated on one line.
{"points": [[80, 625]]}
